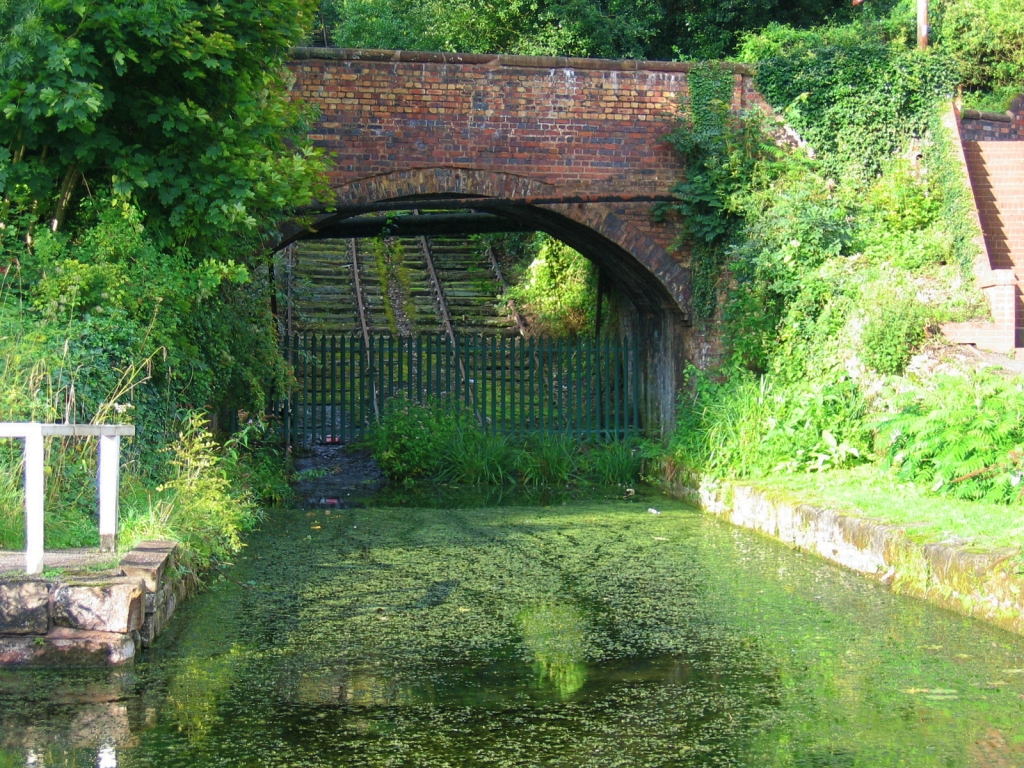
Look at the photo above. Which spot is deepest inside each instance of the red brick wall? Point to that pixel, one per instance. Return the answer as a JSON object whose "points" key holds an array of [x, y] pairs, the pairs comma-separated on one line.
{"points": [[584, 126], [997, 177]]}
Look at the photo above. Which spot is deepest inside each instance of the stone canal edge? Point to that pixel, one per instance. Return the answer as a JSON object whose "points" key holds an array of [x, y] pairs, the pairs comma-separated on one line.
{"points": [[985, 585], [91, 619]]}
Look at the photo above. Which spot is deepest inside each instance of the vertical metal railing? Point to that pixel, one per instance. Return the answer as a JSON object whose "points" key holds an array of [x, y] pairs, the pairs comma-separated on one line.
{"points": [[585, 387]]}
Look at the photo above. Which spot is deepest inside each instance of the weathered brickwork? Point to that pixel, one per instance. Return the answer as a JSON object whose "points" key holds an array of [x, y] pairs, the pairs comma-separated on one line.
{"points": [[593, 130], [985, 126]]}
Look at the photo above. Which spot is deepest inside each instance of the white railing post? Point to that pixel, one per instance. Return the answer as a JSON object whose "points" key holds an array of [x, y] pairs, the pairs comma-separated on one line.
{"points": [[109, 467], [34, 493]]}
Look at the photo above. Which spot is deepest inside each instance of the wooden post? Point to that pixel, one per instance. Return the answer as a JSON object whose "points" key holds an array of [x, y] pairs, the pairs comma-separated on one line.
{"points": [[109, 481], [922, 24], [34, 494]]}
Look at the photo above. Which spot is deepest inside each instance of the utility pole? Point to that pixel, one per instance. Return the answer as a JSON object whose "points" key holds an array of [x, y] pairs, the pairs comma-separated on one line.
{"points": [[922, 24]]}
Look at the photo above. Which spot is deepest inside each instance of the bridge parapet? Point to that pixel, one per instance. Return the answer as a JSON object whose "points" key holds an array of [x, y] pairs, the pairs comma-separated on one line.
{"points": [[584, 125]]}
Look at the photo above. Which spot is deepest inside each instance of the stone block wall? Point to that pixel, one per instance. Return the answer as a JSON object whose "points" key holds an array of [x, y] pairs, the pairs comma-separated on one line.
{"points": [[100, 620]]}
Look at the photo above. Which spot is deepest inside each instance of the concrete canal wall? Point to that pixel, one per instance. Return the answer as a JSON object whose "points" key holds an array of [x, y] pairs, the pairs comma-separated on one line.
{"points": [[100, 619], [985, 585]]}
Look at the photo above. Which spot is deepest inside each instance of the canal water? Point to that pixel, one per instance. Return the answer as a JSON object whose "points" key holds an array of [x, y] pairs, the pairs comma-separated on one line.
{"points": [[446, 630]]}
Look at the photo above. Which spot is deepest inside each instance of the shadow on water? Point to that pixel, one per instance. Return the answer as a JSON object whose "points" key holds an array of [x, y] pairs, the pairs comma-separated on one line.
{"points": [[432, 626]]}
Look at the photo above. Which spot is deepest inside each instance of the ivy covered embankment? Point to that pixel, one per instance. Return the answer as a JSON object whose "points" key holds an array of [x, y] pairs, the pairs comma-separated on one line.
{"points": [[830, 267]]}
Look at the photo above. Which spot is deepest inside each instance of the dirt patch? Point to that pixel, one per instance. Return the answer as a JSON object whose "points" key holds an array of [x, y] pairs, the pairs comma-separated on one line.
{"points": [[335, 476], [939, 357]]}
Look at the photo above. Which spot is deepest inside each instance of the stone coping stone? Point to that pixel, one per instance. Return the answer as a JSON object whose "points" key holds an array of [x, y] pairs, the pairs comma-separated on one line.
{"points": [[985, 585], [148, 561], [504, 60], [12, 563], [63, 647], [995, 117]]}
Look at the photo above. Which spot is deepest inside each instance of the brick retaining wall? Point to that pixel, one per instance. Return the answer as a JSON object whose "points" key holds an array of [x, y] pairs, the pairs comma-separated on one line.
{"points": [[993, 126]]}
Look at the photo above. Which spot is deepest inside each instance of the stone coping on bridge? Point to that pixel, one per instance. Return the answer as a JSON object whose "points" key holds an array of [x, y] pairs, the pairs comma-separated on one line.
{"points": [[507, 60]]}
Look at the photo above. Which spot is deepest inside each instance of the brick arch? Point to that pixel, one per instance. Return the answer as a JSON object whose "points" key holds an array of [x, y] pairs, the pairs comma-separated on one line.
{"points": [[651, 277]]}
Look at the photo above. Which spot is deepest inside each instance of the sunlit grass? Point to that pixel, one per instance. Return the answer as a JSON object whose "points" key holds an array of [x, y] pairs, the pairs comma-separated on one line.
{"points": [[867, 492]]}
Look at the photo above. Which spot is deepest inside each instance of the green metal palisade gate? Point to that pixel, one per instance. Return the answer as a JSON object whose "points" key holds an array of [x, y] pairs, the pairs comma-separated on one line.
{"points": [[585, 388]]}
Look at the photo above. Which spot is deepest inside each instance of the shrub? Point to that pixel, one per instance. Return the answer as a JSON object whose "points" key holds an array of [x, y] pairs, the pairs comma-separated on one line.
{"points": [[857, 93], [411, 439], [198, 506], [892, 335], [963, 436], [986, 38], [254, 459]]}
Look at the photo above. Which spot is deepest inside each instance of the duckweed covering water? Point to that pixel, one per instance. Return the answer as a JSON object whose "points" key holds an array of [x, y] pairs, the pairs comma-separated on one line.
{"points": [[571, 633]]}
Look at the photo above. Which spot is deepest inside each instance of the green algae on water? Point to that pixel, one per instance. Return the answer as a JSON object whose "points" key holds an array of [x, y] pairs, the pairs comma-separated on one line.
{"points": [[538, 631]]}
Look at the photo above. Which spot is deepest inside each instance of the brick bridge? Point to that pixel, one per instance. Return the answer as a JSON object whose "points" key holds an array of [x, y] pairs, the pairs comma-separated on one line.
{"points": [[572, 147]]}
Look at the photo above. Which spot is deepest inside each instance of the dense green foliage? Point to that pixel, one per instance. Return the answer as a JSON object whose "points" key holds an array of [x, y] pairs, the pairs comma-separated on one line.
{"points": [[963, 436], [554, 286], [653, 29], [986, 38], [840, 261], [721, 152], [435, 440], [855, 93], [146, 151]]}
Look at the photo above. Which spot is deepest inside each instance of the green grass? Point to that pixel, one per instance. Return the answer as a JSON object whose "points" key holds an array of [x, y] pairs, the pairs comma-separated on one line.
{"points": [[866, 492]]}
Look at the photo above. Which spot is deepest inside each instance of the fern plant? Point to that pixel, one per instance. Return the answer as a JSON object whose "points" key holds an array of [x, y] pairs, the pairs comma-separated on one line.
{"points": [[963, 438]]}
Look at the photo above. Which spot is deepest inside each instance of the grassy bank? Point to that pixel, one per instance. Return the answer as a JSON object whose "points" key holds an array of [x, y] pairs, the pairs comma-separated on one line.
{"points": [[866, 492]]}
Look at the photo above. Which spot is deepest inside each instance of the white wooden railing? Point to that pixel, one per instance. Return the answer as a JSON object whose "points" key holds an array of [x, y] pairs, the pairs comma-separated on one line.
{"points": [[108, 468]]}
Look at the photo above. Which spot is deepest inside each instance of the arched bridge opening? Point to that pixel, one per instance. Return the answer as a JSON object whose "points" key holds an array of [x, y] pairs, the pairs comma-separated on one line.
{"points": [[428, 145], [619, 380]]}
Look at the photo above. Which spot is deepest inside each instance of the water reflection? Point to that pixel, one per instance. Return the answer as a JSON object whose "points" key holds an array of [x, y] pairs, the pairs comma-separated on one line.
{"points": [[556, 636]]}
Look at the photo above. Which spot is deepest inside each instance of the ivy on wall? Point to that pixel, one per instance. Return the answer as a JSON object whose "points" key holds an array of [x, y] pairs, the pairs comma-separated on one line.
{"points": [[855, 95], [720, 152]]}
